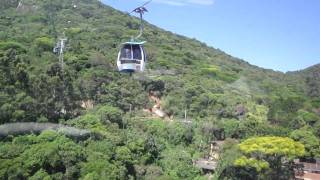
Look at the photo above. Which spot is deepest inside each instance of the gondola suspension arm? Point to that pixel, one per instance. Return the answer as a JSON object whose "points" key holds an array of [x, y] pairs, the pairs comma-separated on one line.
{"points": [[141, 10]]}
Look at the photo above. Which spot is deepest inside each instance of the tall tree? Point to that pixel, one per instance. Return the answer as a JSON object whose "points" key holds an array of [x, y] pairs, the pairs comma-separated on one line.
{"points": [[272, 157]]}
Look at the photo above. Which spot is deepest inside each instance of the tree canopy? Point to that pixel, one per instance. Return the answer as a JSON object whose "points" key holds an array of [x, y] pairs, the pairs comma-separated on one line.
{"points": [[206, 94]]}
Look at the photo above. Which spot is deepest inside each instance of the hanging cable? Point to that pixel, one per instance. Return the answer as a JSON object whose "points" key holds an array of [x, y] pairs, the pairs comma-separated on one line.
{"points": [[141, 10]]}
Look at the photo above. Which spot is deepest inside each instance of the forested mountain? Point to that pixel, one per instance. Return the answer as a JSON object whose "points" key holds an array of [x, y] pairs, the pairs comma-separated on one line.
{"points": [[218, 92]]}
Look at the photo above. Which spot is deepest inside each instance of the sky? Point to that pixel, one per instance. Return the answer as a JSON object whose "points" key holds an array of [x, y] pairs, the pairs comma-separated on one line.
{"points": [[282, 35]]}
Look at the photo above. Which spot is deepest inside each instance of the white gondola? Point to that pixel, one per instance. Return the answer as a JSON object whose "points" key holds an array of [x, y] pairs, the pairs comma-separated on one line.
{"points": [[132, 57]]}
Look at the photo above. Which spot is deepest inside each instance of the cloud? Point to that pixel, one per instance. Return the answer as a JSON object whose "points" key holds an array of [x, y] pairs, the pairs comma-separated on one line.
{"points": [[201, 2], [186, 2]]}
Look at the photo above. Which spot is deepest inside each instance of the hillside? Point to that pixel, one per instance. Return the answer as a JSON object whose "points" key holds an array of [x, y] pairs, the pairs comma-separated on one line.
{"points": [[220, 93]]}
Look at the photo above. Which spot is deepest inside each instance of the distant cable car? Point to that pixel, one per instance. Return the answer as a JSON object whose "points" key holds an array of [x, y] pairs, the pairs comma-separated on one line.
{"points": [[132, 56]]}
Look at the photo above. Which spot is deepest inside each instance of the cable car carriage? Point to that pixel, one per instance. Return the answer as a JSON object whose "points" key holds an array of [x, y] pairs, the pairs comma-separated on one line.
{"points": [[132, 57]]}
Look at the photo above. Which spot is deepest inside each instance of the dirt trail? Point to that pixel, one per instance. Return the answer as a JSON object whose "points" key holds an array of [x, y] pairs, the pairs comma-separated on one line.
{"points": [[309, 176], [157, 109]]}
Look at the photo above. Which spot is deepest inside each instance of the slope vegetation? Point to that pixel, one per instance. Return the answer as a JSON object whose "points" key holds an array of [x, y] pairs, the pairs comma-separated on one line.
{"points": [[220, 93]]}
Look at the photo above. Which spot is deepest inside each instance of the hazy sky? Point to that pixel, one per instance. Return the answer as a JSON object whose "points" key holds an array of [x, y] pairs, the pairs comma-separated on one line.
{"points": [[282, 35]]}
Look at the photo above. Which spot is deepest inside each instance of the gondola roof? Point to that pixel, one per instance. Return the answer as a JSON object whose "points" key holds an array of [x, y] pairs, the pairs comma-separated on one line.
{"points": [[134, 43]]}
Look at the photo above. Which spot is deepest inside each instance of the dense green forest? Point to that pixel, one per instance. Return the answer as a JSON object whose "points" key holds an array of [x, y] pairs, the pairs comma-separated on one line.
{"points": [[267, 118]]}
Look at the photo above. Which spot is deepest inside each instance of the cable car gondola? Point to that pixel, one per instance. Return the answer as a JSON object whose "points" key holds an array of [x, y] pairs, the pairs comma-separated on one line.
{"points": [[132, 56]]}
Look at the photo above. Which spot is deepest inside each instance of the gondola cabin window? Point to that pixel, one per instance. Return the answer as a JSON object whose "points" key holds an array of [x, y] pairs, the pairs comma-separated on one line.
{"points": [[136, 52], [126, 52]]}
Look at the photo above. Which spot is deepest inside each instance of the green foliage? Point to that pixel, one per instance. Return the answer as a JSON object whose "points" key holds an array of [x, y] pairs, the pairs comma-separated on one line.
{"points": [[308, 117], [272, 146], [44, 44], [110, 114], [274, 155], [73, 31], [312, 82], [93, 169], [215, 71], [177, 164], [231, 127], [12, 45], [316, 103], [41, 174], [251, 162], [49, 153], [97, 169], [221, 94], [8, 4], [229, 154], [309, 140]]}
